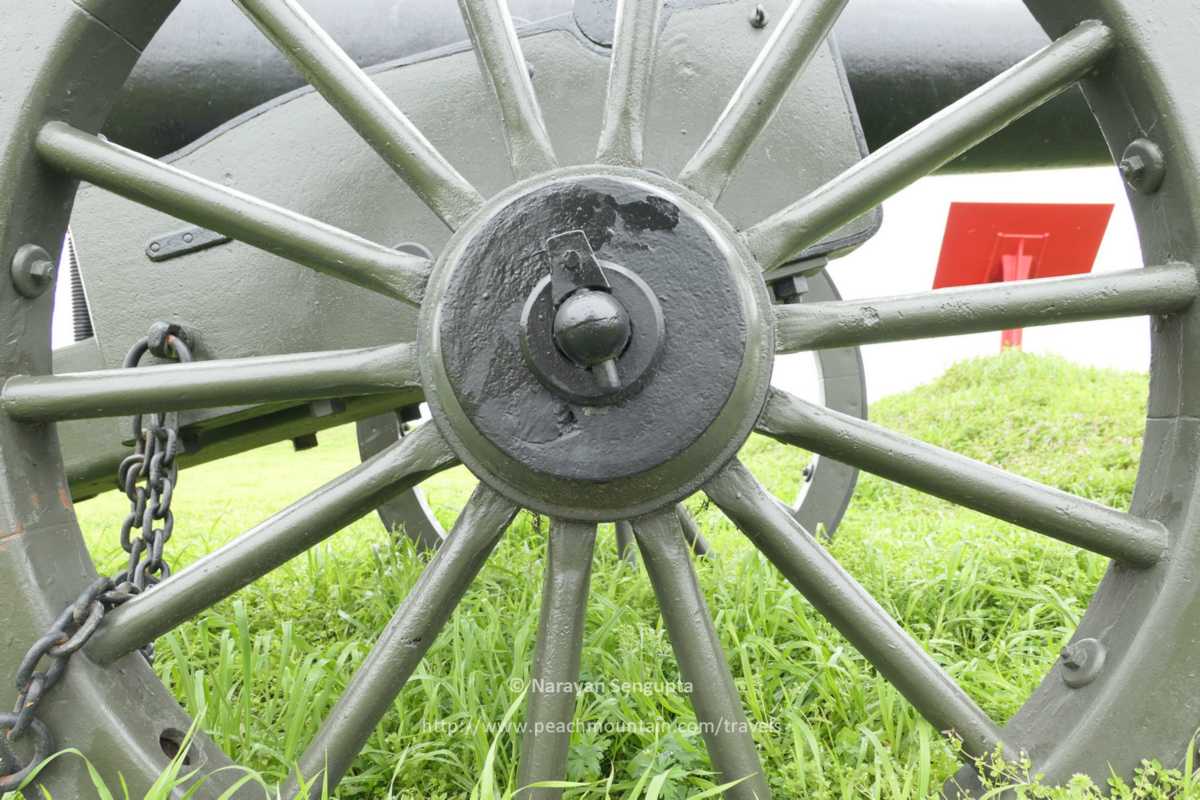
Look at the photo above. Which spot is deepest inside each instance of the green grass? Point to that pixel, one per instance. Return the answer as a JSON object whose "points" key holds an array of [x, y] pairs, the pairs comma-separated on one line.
{"points": [[992, 603]]}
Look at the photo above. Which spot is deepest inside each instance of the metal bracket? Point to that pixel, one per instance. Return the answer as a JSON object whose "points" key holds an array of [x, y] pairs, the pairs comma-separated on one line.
{"points": [[573, 265], [181, 242]]}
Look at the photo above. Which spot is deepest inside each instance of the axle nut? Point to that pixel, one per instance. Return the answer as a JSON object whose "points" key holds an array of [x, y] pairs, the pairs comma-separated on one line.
{"points": [[591, 327]]}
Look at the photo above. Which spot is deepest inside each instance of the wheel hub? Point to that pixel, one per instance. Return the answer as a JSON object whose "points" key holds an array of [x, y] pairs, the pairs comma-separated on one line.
{"points": [[595, 343]]}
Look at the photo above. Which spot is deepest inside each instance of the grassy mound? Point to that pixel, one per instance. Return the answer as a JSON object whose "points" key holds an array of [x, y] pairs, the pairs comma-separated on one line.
{"points": [[992, 603]]}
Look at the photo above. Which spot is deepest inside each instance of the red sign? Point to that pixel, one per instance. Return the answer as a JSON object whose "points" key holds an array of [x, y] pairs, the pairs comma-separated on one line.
{"points": [[997, 242]]}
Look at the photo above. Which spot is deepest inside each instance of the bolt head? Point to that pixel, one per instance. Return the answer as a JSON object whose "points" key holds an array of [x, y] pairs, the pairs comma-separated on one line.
{"points": [[1143, 166], [32, 271], [1074, 657], [162, 337], [42, 271], [790, 288], [591, 327], [1133, 166], [1082, 662]]}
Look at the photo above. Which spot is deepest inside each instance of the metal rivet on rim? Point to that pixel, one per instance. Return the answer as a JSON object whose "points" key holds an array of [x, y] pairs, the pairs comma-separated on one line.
{"points": [[32, 271], [1082, 662], [1143, 166]]}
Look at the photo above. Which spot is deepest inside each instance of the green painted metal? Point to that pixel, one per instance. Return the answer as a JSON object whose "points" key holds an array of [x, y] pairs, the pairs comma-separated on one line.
{"points": [[691, 530], [295, 529], [208, 384], [853, 611], [42, 557], [902, 66], [627, 98], [491, 28], [702, 665], [626, 543], [551, 693], [906, 62], [827, 486], [309, 173], [283, 233], [1141, 702], [405, 640], [408, 512], [92, 449], [969, 483], [1024, 304], [362, 104], [795, 38], [32, 271], [298, 152], [933, 143]]}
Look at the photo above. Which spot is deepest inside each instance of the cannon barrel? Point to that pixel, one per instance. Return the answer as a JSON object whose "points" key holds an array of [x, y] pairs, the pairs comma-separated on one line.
{"points": [[905, 59]]}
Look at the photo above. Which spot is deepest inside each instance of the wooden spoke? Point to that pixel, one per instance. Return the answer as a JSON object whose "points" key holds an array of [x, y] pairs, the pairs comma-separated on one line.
{"points": [[551, 697], [940, 139], [405, 640], [363, 104], [635, 40], [1137, 541], [796, 38], [993, 307], [260, 550], [691, 531], [211, 384], [256, 222], [698, 650], [852, 610], [491, 28]]}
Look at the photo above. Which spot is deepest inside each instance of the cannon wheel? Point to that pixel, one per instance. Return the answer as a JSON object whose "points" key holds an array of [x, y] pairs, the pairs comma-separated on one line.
{"points": [[638, 299]]}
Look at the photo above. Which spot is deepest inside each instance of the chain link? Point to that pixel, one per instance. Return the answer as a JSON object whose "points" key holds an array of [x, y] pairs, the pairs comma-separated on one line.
{"points": [[148, 477]]}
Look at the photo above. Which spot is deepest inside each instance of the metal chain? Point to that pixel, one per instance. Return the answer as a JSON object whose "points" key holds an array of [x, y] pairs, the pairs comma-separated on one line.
{"points": [[148, 477]]}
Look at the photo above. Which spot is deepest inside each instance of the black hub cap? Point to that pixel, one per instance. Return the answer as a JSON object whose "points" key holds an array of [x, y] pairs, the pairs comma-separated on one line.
{"points": [[570, 312], [591, 332], [592, 328]]}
